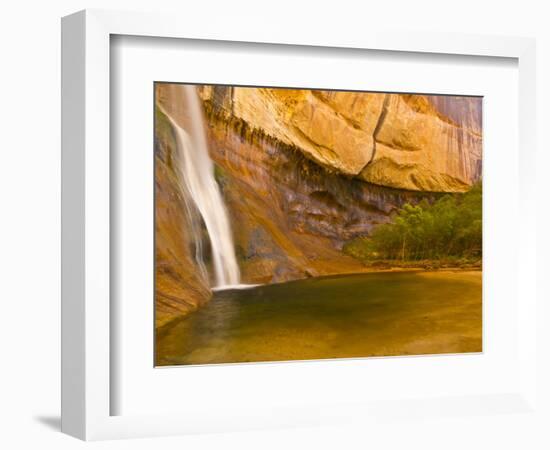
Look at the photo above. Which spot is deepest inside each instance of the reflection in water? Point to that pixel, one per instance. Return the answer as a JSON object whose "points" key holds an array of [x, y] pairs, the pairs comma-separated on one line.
{"points": [[377, 314]]}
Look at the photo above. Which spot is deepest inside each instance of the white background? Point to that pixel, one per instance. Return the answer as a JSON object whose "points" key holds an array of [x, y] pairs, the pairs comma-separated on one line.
{"points": [[29, 118]]}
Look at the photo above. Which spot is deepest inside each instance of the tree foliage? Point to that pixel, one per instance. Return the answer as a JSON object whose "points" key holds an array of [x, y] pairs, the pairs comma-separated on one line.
{"points": [[449, 227]]}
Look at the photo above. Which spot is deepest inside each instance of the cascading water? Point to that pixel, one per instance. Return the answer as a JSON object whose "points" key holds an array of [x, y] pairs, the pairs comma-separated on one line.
{"points": [[196, 171]]}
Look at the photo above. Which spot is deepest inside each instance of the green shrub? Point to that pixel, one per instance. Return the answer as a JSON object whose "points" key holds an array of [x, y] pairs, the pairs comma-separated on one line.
{"points": [[451, 227]]}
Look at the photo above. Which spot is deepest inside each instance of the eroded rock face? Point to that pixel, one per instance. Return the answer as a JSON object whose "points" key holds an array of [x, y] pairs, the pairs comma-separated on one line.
{"points": [[413, 142], [331, 128], [291, 215], [428, 143]]}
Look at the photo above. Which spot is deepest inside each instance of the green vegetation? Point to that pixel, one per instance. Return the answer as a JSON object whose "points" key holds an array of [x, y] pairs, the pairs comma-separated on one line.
{"points": [[219, 174], [447, 230]]}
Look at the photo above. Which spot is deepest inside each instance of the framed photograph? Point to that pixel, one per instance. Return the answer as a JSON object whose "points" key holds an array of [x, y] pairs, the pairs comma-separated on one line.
{"points": [[266, 228], [299, 224]]}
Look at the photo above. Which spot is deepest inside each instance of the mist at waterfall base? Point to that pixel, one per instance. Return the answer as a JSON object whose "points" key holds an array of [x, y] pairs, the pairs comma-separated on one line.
{"points": [[202, 195]]}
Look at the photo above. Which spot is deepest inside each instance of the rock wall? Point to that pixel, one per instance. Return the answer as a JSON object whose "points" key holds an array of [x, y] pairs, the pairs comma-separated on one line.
{"points": [[290, 215], [428, 143], [412, 142]]}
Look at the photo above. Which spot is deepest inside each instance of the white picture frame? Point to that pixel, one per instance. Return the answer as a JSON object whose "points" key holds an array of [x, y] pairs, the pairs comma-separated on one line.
{"points": [[86, 247]]}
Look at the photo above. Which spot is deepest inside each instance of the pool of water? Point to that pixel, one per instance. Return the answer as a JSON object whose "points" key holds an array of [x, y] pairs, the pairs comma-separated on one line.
{"points": [[374, 314]]}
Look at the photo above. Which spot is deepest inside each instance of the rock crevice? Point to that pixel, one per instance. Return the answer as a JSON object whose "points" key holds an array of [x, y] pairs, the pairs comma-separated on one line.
{"points": [[378, 126]]}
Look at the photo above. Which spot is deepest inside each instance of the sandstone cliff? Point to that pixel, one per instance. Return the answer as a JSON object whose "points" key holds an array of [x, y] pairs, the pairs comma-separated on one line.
{"points": [[413, 142]]}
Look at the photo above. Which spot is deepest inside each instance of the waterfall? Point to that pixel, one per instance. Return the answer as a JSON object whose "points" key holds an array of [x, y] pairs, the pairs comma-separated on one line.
{"points": [[196, 172]]}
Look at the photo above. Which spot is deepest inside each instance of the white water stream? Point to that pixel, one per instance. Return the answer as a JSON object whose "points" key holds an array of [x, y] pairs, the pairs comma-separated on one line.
{"points": [[196, 171]]}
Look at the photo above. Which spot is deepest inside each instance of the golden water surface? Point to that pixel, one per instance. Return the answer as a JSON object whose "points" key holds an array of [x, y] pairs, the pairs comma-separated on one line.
{"points": [[373, 314]]}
